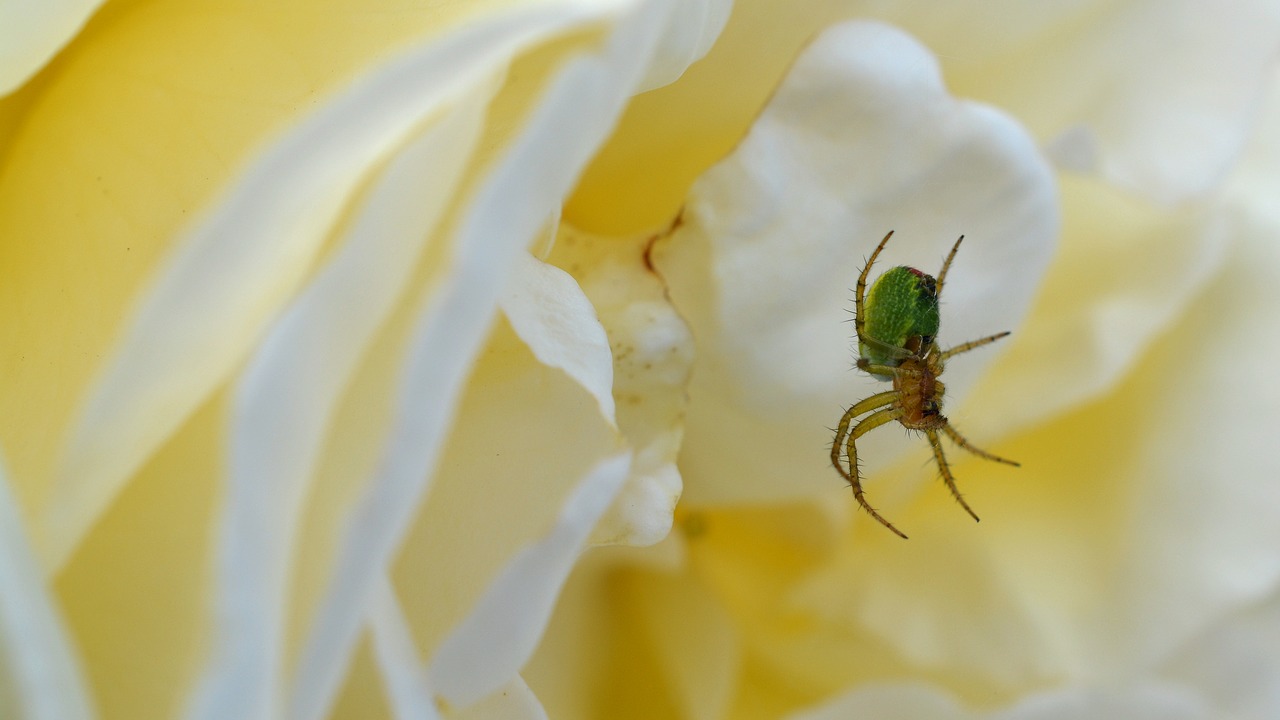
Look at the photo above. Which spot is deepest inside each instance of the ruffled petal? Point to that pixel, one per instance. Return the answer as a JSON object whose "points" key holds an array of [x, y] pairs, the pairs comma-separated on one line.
{"points": [[652, 356], [861, 138]]}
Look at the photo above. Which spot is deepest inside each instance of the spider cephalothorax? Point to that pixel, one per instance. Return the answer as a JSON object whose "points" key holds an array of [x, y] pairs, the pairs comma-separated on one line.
{"points": [[897, 325]]}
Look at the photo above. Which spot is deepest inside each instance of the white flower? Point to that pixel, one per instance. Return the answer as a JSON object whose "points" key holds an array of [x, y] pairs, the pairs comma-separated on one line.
{"points": [[333, 338]]}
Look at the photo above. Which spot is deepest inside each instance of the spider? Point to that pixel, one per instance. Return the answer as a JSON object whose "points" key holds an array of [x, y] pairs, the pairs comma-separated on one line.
{"points": [[897, 323]]}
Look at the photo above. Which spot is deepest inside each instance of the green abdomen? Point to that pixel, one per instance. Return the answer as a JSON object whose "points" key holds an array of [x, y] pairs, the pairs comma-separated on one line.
{"points": [[902, 304]]}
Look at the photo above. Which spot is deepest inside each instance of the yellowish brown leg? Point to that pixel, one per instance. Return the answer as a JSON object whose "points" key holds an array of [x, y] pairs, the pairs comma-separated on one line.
{"points": [[958, 439], [973, 344], [859, 314], [870, 422], [875, 401], [946, 472], [946, 265]]}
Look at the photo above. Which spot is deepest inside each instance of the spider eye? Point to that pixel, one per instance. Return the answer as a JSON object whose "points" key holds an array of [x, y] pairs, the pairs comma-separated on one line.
{"points": [[931, 407]]}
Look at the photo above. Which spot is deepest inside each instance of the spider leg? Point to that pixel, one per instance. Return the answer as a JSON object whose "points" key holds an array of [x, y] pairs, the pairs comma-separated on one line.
{"points": [[946, 265], [870, 422], [866, 405], [946, 472], [888, 371], [859, 314], [973, 344], [958, 439]]}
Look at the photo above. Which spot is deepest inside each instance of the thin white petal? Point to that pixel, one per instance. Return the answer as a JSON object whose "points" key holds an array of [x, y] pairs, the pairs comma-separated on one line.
{"points": [[34, 646], [488, 649], [289, 391], [861, 138], [555, 319], [580, 107], [398, 658], [234, 271], [32, 32]]}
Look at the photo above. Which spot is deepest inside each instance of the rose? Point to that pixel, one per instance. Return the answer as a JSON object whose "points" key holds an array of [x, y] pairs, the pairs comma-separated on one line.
{"points": [[507, 371]]}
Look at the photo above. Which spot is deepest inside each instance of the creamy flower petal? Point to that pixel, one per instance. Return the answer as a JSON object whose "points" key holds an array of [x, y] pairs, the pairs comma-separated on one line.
{"points": [[690, 32], [579, 108], [652, 356], [288, 393], [32, 32], [236, 269], [1169, 90], [1205, 513], [397, 658], [513, 701], [490, 646], [861, 138], [1236, 662], [37, 659], [700, 648], [1126, 271], [555, 319], [1145, 701]]}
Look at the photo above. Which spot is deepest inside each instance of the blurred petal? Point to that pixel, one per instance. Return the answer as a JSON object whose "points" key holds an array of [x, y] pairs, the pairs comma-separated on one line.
{"points": [[652, 355], [38, 662], [906, 702], [32, 32], [289, 391], [578, 109], [1125, 272], [555, 319], [398, 659], [699, 645], [491, 645], [690, 32], [861, 138], [1167, 90], [234, 272]]}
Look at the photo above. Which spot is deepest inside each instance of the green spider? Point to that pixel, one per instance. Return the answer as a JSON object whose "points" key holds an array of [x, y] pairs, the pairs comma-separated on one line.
{"points": [[897, 323]]}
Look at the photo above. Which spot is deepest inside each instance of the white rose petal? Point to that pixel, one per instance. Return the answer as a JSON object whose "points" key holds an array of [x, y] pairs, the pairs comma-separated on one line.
{"points": [[555, 319]]}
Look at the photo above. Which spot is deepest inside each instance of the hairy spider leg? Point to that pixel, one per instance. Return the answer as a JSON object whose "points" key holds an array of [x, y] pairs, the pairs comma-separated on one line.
{"points": [[946, 472], [878, 400], [867, 424], [859, 314], [958, 439], [972, 344], [946, 265]]}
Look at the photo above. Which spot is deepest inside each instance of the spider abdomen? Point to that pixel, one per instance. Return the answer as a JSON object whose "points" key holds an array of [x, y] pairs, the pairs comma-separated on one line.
{"points": [[901, 310]]}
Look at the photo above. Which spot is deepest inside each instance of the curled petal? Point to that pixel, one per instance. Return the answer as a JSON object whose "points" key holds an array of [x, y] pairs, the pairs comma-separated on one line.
{"points": [[555, 319]]}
